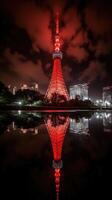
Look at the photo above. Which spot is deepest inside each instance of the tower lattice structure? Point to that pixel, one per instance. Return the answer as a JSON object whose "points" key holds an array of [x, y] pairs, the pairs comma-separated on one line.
{"points": [[57, 85], [57, 132]]}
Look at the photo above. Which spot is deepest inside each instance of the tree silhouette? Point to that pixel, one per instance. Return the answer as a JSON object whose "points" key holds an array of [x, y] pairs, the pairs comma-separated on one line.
{"points": [[5, 95]]}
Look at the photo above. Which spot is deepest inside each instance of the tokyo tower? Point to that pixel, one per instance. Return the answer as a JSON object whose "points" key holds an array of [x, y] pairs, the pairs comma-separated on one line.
{"points": [[57, 85], [57, 127]]}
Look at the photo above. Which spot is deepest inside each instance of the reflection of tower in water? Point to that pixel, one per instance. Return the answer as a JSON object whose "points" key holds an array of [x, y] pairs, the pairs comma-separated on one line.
{"points": [[57, 127]]}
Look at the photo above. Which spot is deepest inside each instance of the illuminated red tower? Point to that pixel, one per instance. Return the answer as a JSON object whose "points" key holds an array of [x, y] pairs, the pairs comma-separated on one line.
{"points": [[57, 133], [57, 85]]}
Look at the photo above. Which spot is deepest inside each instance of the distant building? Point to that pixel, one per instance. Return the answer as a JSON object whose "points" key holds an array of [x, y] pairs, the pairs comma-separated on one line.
{"points": [[14, 90], [9, 87], [34, 87], [80, 90], [107, 96], [24, 87]]}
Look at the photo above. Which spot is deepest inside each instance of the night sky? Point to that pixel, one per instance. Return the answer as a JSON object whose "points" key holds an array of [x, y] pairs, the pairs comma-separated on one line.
{"points": [[26, 41]]}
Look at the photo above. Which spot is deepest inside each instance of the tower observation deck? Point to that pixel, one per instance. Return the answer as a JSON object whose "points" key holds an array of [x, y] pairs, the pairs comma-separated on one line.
{"points": [[57, 85]]}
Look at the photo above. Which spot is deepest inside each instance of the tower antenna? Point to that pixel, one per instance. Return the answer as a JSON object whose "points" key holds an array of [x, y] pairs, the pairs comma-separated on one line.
{"points": [[57, 23], [57, 87]]}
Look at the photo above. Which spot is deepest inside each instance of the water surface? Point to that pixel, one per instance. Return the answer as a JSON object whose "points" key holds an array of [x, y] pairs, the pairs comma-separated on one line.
{"points": [[55, 155]]}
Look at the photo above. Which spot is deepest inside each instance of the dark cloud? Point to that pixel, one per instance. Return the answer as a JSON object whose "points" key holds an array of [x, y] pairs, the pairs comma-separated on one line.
{"points": [[98, 17], [93, 71], [24, 71]]}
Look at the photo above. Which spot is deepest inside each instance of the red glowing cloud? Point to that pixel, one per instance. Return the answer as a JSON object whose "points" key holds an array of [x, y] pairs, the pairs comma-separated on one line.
{"points": [[85, 33], [72, 24], [25, 71]]}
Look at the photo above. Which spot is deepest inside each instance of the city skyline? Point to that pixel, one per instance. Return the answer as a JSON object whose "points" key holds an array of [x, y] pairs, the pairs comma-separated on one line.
{"points": [[27, 42]]}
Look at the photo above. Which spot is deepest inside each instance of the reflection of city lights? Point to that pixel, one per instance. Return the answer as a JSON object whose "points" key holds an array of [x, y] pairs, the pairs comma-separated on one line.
{"points": [[36, 114], [24, 131], [107, 115], [102, 115], [99, 115], [19, 112], [79, 126], [8, 130], [106, 119], [107, 122], [13, 125], [85, 119], [33, 131], [36, 131]]}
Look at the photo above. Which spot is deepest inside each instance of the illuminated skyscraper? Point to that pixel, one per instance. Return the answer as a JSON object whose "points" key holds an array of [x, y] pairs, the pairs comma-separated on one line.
{"points": [[57, 85], [107, 96], [24, 87], [80, 90]]}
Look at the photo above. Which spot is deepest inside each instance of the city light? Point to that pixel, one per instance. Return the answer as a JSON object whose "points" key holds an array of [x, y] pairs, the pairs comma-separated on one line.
{"points": [[19, 103], [19, 112], [107, 103]]}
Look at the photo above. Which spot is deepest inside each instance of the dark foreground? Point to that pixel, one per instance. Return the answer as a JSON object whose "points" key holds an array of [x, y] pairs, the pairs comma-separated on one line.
{"points": [[43, 108], [26, 155]]}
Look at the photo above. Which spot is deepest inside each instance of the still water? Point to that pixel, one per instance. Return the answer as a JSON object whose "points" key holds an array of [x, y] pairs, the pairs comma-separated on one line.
{"points": [[55, 156]]}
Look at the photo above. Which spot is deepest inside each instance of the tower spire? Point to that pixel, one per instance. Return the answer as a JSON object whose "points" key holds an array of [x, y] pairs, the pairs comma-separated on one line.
{"points": [[57, 23], [57, 87], [57, 36]]}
